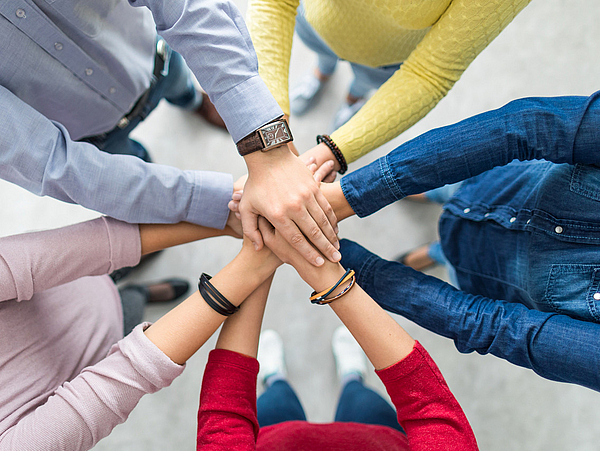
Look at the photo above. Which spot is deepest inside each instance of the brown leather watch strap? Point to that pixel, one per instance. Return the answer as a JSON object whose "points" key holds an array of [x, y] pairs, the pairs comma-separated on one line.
{"points": [[249, 144]]}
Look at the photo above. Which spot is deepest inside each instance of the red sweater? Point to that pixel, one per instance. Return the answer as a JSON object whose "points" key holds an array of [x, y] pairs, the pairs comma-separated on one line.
{"points": [[427, 410]]}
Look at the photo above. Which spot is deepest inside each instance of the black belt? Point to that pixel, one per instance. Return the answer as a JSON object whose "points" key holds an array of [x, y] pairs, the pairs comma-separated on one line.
{"points": [[161, 68]]}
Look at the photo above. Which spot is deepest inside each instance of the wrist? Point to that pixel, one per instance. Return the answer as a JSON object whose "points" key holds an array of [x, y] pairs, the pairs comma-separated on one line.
{"points": [[325, 277], [260, 159], [335, 196]]}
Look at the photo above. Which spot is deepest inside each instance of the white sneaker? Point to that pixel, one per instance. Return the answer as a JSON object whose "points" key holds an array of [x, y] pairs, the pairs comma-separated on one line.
{"points": [[349, 356], [270, 355], [345, 113], [304, 95]]}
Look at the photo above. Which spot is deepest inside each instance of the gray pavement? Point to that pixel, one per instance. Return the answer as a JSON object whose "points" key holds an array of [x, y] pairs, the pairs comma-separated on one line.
{"points": [[550, 49]]}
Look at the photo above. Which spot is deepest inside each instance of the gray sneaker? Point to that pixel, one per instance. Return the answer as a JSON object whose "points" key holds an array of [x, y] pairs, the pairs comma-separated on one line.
{"points": [[345, 113], [305, 94]]}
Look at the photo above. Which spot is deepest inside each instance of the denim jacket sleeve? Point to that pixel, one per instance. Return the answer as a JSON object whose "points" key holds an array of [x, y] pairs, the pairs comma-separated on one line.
{"points": [[215, 43], [38, 155], [555, 346], [557, 129]]}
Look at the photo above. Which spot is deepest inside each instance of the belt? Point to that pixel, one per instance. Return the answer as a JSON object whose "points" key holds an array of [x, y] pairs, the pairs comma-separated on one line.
{"points": [[161, 69]]}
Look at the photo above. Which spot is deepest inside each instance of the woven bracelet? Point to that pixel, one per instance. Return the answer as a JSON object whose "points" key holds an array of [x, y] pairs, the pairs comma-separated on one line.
{"points": [[320, 298], [214, 298], [337, 153]]}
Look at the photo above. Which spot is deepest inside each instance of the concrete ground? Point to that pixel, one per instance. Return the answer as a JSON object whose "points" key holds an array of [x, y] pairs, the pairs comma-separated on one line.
{"points": [[550, 49]]}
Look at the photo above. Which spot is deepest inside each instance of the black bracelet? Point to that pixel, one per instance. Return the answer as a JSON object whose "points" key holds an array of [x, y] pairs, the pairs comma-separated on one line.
{"points": [[214, 298], [337, 153]]}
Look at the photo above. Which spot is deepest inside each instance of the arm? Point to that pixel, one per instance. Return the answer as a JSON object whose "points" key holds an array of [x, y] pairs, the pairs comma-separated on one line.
{"points": [[557, 129], [87, 408], [227, 413], [38, 155], [34, 262], [555, 346], [438, 61], [392, 351]]}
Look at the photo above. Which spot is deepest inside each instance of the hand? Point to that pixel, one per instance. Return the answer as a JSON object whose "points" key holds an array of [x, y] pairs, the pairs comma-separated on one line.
{"points": [[233, 226], [322, 155], [318, 278], [257, 261], [280, 188]]}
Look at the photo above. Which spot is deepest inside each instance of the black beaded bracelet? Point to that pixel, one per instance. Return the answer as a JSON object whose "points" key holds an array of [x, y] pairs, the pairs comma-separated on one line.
{"points": [[214, 298], [337, 153]]}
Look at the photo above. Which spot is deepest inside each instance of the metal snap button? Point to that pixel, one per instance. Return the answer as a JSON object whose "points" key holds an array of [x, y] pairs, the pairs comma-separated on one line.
{"points": [[597, 296], [558, 229], [513, 219], [466, 210]]}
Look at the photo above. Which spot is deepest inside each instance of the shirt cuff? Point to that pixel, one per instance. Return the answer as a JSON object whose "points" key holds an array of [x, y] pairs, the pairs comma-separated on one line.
{"points": [[247, 107], [125, 247], [147, 359], [371, 188], [412, 362], [212, 193]]}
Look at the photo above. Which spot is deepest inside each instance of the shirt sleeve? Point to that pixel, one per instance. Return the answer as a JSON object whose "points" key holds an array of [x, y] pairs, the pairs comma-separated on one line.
{"points": [[213, 39], [34, 262], [557, 129], [227, 415], [86, 409], [555, 346], [38, 155], [438, 61], [427, 410], [266, 19]]}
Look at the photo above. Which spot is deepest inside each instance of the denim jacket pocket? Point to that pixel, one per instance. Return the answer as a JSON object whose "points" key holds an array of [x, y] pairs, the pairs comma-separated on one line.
{"points": [[585, 181], [574, 290]]}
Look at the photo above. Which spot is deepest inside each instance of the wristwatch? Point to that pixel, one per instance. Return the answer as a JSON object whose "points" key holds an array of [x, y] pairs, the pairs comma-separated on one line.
{"points": [[269, 136]]}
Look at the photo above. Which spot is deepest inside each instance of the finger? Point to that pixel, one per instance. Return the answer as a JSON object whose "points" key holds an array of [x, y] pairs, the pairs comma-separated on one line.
{"points": [[313, 168], [324, 171], [321, 234], [239, 216], [330, 178], [233, 206], [237, 195], [250, 228], [326, 207], [311, 160], [293, 235]]}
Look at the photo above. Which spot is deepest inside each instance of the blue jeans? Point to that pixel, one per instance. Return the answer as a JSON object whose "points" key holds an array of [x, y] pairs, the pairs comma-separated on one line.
{"points": [[365, 78], [174, 85], [357, 404]]}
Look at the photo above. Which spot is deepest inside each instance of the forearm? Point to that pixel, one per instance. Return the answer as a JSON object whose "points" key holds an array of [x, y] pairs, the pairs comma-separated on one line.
{"points": [[241, 331], [182, 331], [560, 129], [543, 342], [155, 237]]}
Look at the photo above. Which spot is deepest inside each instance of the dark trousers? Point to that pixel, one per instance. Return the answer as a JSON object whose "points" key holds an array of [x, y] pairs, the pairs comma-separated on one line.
{"points": [[357, 404]]}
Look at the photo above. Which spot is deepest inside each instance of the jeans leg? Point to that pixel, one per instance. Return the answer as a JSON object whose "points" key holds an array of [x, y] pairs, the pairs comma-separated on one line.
{"points": [[133, 300], [177, 86], [279, 403], [326, 59], [369, 78], [360, 404]]}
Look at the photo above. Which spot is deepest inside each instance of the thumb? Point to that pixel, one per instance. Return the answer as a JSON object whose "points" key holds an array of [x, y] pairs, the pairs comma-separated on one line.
{"points": [[250, 229]]}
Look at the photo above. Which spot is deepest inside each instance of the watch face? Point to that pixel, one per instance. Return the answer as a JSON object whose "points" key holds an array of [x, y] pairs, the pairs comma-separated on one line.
{"points": [[275, 134]]}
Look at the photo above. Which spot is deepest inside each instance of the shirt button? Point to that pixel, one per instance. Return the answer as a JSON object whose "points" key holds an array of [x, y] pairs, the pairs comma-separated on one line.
{"points": [[528, 221], [466, 210], [597, 296], [58, 46], [513, 219], [558, 229], [89, 71], [486, 215], [20, 13], [112, 90]]}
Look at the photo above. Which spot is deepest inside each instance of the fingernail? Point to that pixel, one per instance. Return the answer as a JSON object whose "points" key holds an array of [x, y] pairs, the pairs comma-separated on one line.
{"points": [[337, 256], [320, 261], [337, 230], [237, 196], [330, 163], [255, 246], [238, 215], [337, 245]]}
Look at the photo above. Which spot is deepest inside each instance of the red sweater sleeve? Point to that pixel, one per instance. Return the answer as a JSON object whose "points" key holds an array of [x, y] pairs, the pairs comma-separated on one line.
{"points": [[227, 415], [427, 409]]}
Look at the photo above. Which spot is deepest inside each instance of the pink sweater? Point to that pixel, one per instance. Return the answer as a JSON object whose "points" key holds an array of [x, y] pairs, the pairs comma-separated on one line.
{"points": [[58, 388]]}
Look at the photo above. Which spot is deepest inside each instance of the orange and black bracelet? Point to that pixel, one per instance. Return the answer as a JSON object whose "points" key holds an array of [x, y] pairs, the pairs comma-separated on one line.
{"points": [[337, 153], [321, 298]]}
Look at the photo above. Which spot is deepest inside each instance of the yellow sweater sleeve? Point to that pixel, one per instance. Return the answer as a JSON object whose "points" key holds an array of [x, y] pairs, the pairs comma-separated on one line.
{"points": [[438, 61], [271, 24]]}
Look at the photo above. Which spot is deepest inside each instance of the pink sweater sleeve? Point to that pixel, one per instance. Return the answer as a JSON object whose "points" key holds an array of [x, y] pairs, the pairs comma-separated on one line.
{"points": [[85, 410], [227, 415], [427, 409], [34, 262]]}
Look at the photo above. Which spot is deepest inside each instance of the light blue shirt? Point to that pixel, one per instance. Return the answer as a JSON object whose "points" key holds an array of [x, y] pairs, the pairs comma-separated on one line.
{"points": [[74, 68]]}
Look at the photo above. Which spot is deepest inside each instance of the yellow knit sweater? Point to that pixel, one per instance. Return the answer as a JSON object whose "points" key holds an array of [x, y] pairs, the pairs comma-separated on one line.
{"points": [[435, 39]]}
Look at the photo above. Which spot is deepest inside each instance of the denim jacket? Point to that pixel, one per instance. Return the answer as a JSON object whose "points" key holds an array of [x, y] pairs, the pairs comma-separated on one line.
{"points": [[524, 231]]}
